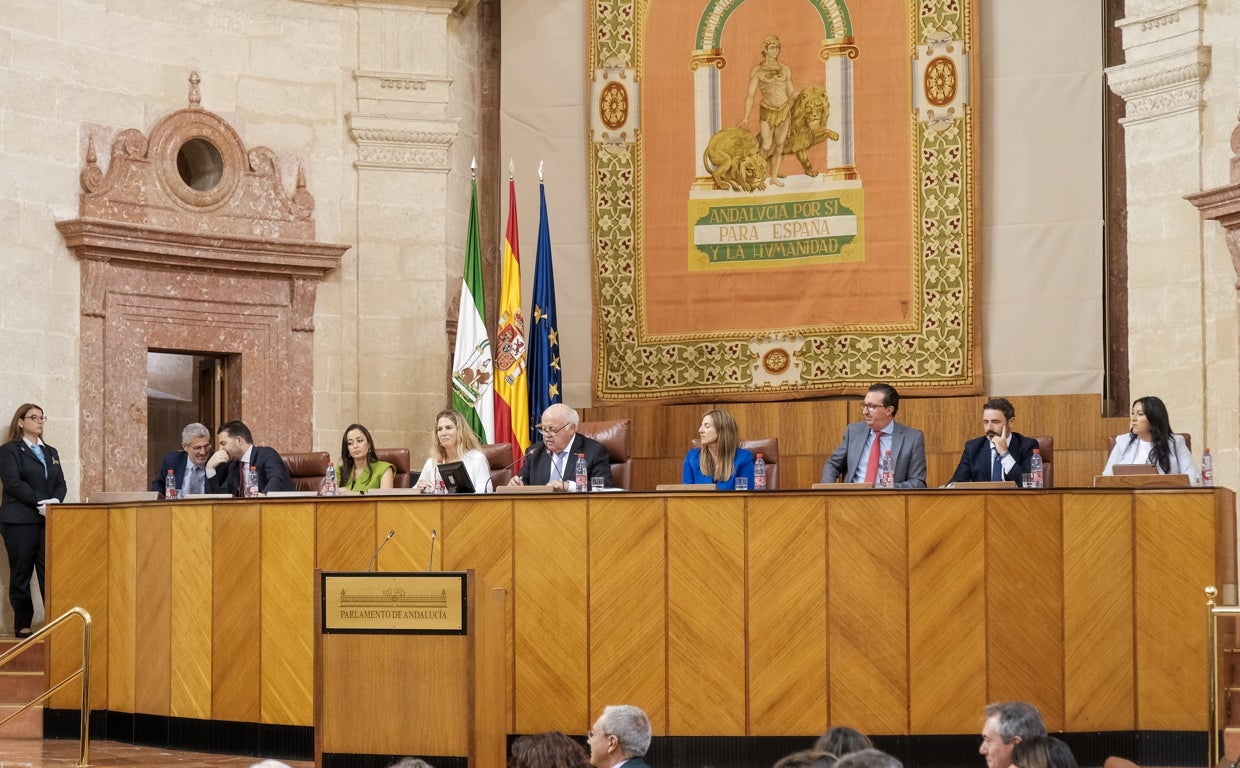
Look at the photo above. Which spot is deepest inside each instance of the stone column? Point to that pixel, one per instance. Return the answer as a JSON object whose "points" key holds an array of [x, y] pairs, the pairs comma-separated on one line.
{"points": [[409, 257], [1162, 83]]}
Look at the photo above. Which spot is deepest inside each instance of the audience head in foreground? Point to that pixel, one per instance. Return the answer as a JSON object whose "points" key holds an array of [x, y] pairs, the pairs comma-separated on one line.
{"points": [[410, 762], [878, 432], [620, 735], [1042, 752], [868, 758], [807, 758], [547, 750], [1149, 440], [1007, 724], [359, 469], [842, 740], [719, 459]]}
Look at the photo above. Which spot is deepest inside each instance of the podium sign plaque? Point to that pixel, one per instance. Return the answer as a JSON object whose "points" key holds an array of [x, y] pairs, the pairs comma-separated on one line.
{"points": [[395, 603]]}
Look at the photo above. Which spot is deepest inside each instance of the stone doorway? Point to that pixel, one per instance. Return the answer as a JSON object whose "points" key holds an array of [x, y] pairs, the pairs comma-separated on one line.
{"points": [[189, 241]]}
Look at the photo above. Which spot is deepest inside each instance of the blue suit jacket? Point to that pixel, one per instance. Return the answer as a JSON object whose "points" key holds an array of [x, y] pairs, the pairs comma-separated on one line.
{"points": [[272, 473], [975, 460], [174, 460], [908, 449]]}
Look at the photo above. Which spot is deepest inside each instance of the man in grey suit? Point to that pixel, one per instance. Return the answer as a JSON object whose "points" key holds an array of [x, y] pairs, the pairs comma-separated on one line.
{"points": [[856, 460]]}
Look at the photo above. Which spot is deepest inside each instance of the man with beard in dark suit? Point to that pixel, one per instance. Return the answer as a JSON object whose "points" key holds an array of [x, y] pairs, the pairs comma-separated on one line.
{"points": [[620, 736], [228, 468], [1000, 453]]}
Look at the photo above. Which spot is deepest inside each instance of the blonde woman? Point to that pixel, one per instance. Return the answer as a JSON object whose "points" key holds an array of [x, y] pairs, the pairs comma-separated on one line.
{"points": [[720, 459], [455, 441]]}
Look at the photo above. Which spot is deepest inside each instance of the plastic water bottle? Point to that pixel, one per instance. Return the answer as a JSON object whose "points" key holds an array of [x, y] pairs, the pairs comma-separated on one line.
{"points": [[170, 485], [329, 480], [251, 487], [1035, 468], [759, 473], [886, 472], [583, 473], [1207, 469]]}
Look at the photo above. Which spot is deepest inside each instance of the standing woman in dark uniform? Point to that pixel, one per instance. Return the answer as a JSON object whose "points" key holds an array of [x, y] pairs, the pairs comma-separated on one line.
{"points": [[32, 476]]}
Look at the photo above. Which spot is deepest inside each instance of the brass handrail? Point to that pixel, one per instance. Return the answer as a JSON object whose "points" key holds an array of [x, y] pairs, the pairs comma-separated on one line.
{"points": [[82, 671]]}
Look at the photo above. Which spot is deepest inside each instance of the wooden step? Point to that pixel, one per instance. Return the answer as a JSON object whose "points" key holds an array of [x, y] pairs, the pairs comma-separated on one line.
{"points": [[30, 660], [28, 725]]}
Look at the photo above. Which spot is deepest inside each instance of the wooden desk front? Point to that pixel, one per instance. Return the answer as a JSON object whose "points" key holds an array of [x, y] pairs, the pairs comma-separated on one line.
{"points": [[719, 614]]}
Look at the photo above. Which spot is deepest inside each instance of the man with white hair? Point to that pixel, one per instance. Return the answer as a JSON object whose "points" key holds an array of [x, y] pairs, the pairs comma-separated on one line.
{"points": [[553, 461], [620, 736]]}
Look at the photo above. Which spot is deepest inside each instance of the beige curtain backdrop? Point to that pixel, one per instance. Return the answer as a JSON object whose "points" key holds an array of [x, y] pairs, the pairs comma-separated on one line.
{"points": [[1041, 236]]}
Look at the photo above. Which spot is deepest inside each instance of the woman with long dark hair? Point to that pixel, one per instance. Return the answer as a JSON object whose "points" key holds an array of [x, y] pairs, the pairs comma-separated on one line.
{"points": [[1150, 440], [33, 478], [360, 469]]}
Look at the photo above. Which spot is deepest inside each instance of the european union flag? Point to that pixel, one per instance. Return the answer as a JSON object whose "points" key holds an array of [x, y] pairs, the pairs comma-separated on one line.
{"points": [[545, 377]]}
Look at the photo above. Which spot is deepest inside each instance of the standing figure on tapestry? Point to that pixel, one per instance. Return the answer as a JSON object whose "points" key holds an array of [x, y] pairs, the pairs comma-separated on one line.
{"points": [[774, 79]]}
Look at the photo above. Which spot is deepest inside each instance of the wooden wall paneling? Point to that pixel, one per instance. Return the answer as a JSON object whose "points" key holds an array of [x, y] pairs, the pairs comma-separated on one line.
{"points": [[628, 607], [948, 422], [1077, 469], [667, 431], [193, 568], [153, 619], [550, 559], [78, 573], [122, 611], [347, 534], [867, 590], [412, 519], [799, 472], [706, 615], [941, 466], [1099, 661], [1174, 563], [478, 534], [1225, 543], [787, 542], [287, 600], [237, 613], [1024, 602], [947, 612]]}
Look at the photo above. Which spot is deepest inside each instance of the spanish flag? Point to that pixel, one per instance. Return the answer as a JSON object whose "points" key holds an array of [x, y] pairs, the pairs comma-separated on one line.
{"points": [[512, 405]]}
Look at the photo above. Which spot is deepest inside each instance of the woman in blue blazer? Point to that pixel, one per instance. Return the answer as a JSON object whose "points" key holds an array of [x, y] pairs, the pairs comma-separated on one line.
{"points": [[720, 459], [33, 478]]}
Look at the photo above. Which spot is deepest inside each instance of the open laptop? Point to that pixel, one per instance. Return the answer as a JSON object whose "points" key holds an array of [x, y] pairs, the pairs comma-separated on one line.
{"points": [[455, 478]]}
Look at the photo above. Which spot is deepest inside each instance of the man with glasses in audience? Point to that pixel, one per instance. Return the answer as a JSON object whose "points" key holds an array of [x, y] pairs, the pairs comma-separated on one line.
{"points": [[620, 736], [188, 465], [859, 456], [553, 461]]}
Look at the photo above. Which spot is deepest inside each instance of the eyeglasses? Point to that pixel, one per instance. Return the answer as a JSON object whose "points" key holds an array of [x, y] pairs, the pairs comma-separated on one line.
{"points": [[35, 418], [549, 431], [873, 406]]}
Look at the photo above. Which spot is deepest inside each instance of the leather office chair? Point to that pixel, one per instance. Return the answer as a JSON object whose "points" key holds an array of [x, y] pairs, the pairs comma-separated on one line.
{"points": [[307, 469], [1046, 447], [614, 435], [769, 448], [499, 458], [399, 459]]}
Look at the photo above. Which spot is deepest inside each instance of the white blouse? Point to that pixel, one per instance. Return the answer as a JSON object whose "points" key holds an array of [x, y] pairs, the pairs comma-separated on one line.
{"points": [[1130, 449]]}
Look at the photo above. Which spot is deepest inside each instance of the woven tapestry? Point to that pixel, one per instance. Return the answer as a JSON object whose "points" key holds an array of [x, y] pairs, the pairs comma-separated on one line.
{"points": [[784, 197]]}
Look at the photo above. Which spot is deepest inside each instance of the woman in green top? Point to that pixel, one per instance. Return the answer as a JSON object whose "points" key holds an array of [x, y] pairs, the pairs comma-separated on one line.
{"points": [[360, 469]]}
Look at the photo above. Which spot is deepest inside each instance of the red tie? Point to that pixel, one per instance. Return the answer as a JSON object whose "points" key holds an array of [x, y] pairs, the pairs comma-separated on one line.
{"points": [[876, 448]]}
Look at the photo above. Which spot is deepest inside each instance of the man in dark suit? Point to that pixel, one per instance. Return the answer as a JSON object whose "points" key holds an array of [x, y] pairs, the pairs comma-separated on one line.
{"points": [[188, 465], [554, 460], [227, 469], [857, 461], [621, 735], [999, 454]]}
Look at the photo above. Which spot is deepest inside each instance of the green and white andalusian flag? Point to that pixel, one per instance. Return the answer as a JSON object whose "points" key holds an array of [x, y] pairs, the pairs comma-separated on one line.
{"points": [[472, 392]]}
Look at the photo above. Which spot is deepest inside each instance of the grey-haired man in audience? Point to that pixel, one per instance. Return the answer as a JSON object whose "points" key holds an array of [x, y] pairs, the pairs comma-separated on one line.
{"points": [[1008, 723], [620, 736]]}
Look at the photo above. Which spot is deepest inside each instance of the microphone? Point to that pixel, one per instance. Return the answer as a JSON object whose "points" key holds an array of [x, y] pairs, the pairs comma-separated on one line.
{"points": [[430, 561], [369, 565], [529, 454]]}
